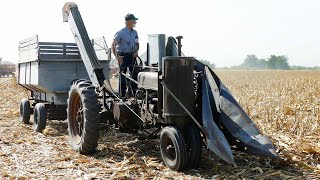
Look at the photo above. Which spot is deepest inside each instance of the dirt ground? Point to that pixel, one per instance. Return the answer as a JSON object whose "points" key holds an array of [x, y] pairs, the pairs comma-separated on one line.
{"points": [[25, 154]]}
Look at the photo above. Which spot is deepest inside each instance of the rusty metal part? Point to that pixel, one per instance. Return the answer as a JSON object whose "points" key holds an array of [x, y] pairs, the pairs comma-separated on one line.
{"points": [[76, 117], [121, 112], [124, 115]]}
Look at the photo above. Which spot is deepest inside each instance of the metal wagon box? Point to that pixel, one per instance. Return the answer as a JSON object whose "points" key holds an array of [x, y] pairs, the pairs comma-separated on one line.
{"points": [[48, 68]]}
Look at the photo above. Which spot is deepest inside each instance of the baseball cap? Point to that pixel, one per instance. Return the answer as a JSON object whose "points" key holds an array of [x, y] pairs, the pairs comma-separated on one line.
{"points": [[130, 17]]}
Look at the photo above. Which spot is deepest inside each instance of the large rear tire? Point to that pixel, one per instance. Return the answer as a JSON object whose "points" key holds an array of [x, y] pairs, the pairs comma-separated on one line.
{"points": [[25, 111], [173, 148], [83, 117], [40, 117]]}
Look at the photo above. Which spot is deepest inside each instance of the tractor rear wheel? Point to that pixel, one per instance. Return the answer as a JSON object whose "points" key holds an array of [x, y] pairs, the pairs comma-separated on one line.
{"points": [[83, 117], [194, 146], [173, 148], [25, 111], [40, 117]]}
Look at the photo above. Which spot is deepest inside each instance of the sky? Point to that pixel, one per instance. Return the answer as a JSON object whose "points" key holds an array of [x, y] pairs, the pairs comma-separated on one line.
{"points": [[222, 32]]}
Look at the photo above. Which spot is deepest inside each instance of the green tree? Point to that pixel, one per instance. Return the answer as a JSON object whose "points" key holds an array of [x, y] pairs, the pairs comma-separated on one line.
{"points": [[251, 61], [278, 62], [263, 64]]}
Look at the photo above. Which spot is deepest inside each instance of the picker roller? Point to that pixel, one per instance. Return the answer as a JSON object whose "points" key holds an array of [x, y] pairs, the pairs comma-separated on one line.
{"points": [[179, 96]]}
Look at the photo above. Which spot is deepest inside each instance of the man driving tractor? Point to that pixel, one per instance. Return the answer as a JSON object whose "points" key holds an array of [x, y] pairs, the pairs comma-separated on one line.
{"points": [[125, 48]]}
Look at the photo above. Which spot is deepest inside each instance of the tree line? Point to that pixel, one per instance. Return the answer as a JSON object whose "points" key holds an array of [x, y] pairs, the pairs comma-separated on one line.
{"points": [[272, 62]]}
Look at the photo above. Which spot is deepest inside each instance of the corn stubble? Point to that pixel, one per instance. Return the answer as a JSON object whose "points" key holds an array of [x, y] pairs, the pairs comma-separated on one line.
{"points": [[284, 104]]}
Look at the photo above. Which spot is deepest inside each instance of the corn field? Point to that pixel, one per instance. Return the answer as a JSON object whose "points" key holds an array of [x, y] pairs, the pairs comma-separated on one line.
{"points": [[281, 101], [284, 104]]}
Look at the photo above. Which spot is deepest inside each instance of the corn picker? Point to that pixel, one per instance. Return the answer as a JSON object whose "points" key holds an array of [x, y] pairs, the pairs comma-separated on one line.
{"points": [[178, 97]]}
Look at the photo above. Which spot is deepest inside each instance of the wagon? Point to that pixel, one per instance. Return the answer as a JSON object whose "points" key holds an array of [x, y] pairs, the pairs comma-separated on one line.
{"points": [[47, 69]]}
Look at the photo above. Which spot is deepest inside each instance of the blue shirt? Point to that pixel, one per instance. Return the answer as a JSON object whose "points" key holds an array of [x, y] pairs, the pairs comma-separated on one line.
{"points": [[126, 40]]}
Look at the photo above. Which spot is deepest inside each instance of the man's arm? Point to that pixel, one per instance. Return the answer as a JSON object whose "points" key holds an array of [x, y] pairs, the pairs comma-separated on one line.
{"points": [[137, 44], [114, 44], [115, 53], [116, 40], [135, 54]]}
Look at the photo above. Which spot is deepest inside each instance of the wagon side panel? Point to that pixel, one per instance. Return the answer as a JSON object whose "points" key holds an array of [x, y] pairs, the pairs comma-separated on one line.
{"points": [[28, 73], [57, 76]]}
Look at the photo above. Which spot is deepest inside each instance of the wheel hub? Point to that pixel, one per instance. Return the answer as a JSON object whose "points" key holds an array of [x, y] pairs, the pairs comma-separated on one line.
{"points": [[170, 149], [77, 117]]}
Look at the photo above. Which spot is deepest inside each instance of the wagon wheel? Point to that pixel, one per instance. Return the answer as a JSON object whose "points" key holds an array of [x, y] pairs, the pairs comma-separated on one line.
{"points": [[40, 117], [194, 146], [25, 111], [83, 117], [173, 148]]}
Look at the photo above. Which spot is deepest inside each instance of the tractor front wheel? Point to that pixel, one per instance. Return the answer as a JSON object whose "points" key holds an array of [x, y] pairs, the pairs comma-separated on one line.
{"points": [[173, 148], [194, 146], [83, 117]]}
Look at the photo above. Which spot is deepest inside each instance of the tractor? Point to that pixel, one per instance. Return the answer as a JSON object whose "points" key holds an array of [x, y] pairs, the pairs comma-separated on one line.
{"points": [[177, 97]]}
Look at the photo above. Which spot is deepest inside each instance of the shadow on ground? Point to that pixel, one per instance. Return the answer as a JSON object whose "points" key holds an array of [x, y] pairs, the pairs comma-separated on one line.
{"points": [[116, 147]]}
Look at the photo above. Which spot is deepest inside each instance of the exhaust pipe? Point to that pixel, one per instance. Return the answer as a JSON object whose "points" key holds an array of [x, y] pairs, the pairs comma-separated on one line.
{"points": [[179, 44]]}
